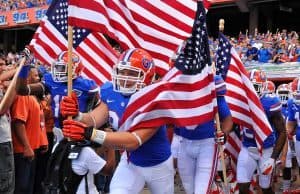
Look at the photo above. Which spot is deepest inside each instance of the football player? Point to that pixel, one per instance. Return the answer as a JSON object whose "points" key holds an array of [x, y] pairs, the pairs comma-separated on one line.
{"points": [[249, 158], [149, 155], [197, 155], [293, 121]]}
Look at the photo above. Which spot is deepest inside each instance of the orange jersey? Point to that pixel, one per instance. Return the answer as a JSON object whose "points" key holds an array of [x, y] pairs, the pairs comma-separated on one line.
{"points": [[27, 109], [49, 120], [43, 136]]}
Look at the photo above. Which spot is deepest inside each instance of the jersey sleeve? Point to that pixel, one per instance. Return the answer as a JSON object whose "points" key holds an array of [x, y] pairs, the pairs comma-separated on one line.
{"points": [[105, 89], [291, 112], [47, 81], [275, 105], [223, 108], [220, 85]]}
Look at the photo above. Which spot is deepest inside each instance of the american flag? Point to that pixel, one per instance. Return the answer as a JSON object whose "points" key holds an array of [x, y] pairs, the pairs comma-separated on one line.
{"points": [[244, 104], [186, 95], [156, 26], [50, 39]]}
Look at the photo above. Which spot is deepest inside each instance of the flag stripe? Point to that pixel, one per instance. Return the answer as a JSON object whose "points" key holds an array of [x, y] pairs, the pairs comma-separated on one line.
{"points": [[95, 52], [156, 26]]}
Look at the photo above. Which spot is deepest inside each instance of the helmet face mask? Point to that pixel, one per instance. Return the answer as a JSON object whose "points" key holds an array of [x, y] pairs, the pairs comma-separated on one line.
{"points": [[134, 71], [258, 78], [283, 92], [59, 69], [257, 87], [128, 79]]}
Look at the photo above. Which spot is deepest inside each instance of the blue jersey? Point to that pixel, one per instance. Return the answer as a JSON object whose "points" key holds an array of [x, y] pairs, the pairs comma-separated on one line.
{"points": [[293, 115], [271, 104], [86, 90], [152, 152], [206, 130], [116, 103]]}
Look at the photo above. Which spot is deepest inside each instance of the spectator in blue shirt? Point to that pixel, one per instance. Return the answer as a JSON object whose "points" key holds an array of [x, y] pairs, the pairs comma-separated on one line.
{"points": [[251, 53], [29, 4], [264, 54]]}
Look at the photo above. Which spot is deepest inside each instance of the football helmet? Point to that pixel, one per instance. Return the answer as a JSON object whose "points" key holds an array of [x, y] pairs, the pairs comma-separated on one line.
{"points": [[257, 77], [295, 88], [268, 87], [135, 69], [59, 68], [283, 92]]}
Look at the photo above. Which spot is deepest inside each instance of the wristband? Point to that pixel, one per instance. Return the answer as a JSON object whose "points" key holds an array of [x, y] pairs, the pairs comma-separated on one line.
{"points": [[98, 136], [24, 71], [79, 116], [138, 138]]}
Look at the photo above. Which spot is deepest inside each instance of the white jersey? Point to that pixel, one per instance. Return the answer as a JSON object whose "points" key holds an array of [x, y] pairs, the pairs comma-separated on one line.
{"points": [[88, 161]]}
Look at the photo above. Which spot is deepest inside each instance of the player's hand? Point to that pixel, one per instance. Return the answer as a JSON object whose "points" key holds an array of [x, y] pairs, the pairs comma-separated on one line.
{"points": [[69, 106], [267, 166], [220, 137], [76, 130]]}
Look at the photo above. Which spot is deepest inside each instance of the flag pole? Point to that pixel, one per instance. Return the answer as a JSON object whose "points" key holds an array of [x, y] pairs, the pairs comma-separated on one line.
{"points": [[218, 125], [70, 47]]}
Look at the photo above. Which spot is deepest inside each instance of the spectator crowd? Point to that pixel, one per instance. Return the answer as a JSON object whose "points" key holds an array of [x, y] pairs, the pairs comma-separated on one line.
{"points": [[8, 5], [279, 47]]}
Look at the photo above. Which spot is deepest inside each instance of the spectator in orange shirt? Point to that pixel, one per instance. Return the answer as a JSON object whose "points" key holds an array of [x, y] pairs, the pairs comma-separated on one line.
{"points": [[26, 135]]}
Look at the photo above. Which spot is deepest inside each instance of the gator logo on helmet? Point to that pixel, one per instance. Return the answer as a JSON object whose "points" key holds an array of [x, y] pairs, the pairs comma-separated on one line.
{"points": [[146, 63]]}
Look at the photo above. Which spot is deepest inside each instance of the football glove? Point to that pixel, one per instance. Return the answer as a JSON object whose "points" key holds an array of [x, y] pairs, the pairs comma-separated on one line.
{"points": [[69, 106], [76, 130]]}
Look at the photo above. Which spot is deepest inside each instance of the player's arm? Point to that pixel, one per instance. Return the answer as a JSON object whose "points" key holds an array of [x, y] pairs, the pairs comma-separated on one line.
{"points": [[291, 127], [279, 125], [227, 124], [284, 153], [118, 140], [123, 139], [96, 118]]}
